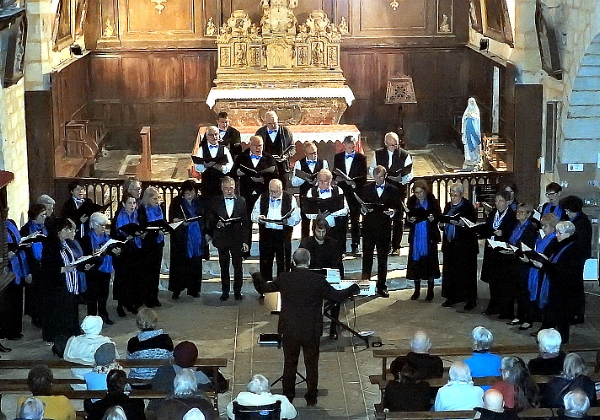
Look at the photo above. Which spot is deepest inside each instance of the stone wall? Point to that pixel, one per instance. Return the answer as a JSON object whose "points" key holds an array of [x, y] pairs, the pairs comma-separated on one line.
{"points": [[13, 149]]}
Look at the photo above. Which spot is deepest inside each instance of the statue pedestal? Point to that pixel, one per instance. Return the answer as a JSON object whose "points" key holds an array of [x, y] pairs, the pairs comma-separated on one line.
{"points": [[304, 106]]}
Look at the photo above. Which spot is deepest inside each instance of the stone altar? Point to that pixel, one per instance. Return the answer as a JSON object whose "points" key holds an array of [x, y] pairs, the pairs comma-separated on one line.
{"points": [[282, 65]]}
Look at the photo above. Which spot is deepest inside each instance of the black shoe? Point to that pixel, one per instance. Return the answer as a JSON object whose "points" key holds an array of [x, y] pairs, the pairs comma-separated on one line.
{"points": [[175, 295], [4, 349], [333, 335], [14, 337], [107, 320], [470, 306], [416, 294], [224, 297], [382, 293], [120, 311], [239, 296], [311, 402], [448, 303]]}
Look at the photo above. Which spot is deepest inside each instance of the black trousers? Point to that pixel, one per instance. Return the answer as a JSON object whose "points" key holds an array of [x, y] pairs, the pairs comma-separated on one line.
{"points": [[397, 228], [11, 310], [274, 245], [98, 284], [291, 354], [370, 242], [354, 220], [233, 254], [151, 262]]}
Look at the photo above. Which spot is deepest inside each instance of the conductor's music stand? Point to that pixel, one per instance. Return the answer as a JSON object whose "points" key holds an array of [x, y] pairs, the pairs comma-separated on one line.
{"points": [[272, 340]]}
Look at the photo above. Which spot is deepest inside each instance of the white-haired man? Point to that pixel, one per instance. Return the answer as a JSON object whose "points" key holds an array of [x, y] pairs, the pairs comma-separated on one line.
{"points": [[276, 213], [459, 393], [259, 393], [551, 358], [426, 365], [399, 166], [277, 140], [576, 404]]}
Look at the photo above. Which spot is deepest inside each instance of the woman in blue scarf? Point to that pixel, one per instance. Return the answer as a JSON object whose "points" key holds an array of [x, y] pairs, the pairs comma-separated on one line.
{"points": [[127, 282], [423, 263], [537, 282], [525, 232], [11, 298], [150, 210], [187, 242], [98, 278], [33, 296]]}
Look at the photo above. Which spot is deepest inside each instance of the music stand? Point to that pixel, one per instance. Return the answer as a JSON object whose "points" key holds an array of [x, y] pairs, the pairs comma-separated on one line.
{"points": [[327, 312], [272, 340]]}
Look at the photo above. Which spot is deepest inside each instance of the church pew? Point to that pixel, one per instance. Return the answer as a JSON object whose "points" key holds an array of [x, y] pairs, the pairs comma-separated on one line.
{"points": [[469, 414], [502, 350]]}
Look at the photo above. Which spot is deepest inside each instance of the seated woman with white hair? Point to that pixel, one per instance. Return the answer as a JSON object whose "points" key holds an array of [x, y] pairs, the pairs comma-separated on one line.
{"points": [[185, 396], [576, 404], [572, 377], [551, 358], [483, 363], [31, 409], [459, 393], [259, 394]]}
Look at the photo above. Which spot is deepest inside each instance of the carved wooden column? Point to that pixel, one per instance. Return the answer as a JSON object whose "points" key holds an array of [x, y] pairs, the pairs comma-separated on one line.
{"points": [[144, 169]]}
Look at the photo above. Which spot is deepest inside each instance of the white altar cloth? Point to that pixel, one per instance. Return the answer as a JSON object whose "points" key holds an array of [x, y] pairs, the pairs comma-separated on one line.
{"points": [[298, 93]]}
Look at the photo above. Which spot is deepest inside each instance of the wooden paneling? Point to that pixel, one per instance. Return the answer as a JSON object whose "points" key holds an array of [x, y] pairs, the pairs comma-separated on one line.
{"points": [[143, 16], [377, 16]]}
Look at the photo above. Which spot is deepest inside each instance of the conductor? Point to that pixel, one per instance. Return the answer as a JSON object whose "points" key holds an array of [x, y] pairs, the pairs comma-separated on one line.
{"points": [[301, 319]]}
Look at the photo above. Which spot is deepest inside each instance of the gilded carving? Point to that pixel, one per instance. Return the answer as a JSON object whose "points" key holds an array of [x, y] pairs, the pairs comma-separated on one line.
{"points": [[332, 56], [343, 26], [302, 56], [159, 5], [240, 54], [225, 60], [109, 30], [254, 56], [211, 29], [317, 54]]}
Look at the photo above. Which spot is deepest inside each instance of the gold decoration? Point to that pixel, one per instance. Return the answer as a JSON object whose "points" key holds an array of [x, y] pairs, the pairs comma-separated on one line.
{"points": [[343, 26], [159, 5], [211, 29], [108, 29], [400, 90], [395, 5]]}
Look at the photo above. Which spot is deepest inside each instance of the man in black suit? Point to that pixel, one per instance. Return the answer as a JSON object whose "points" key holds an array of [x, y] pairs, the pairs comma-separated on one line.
{"points": [[277, 139], [217, 163], [301, 319], [325, 253], [310, 164], [72, 205], [228, 136], [398, 163], [354, 165], [253, 184], [228, 224], [377, 221]]}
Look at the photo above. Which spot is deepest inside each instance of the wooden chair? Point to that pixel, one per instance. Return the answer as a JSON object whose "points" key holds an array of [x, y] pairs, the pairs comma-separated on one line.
{"points": [[258, 412]]}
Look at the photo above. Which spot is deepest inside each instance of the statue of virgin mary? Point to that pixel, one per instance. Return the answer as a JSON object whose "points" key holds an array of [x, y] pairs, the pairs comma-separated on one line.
{"points": [[471, 135]]}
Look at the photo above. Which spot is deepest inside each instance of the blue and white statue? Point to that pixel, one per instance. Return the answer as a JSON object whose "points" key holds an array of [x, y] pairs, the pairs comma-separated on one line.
{"points": [[471, 135]]}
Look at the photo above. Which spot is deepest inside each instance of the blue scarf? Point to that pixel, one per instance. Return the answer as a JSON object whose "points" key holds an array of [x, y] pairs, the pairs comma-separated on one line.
{"points": [[155, 213], [36, 247], [517, 232], [545, 281], [450, 229], [471, 135], [124, 219], [555, 209], [97, 242], [534, 274], [194, 234], [420, 235], [18, 262]]}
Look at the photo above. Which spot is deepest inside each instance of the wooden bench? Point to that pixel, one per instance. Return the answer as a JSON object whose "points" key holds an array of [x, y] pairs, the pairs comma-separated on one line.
{"points": [[469, 414], [506, 350], [62, 386]]}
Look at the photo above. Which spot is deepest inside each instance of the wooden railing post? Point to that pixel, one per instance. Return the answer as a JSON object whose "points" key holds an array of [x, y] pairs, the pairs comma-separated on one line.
{"points": [[144, 169]]}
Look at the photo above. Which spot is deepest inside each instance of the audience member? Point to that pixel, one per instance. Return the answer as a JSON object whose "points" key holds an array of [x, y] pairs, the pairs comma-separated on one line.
{"points": [[184, 357], [517, 386], [82, 348], [149, 343], [185, 396], [425, 365], [39, 382], [576, 405], [407, 392], [572, 377], [115, 413], [115, 382], [551, 358], [194, 414], [493, 407], [259, 393], [483, 363], [31, 409], [459, 393], [105, 360]]}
